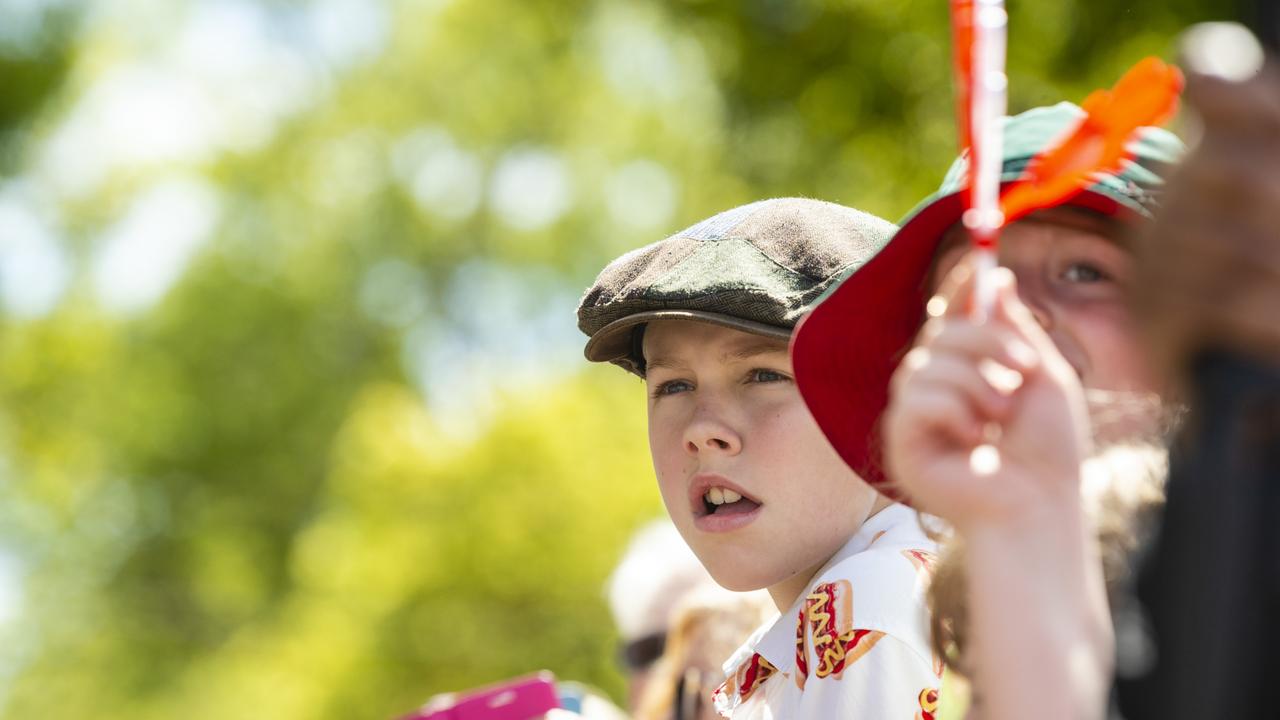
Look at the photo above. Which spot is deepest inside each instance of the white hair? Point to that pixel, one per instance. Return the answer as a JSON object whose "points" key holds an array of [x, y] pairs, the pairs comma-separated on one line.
{"points": [[656, 572]]}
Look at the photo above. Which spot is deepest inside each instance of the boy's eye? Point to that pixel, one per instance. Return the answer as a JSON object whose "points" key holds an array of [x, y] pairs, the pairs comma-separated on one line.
{"points": [[764, 375], [1084, 273], [671, 387]]}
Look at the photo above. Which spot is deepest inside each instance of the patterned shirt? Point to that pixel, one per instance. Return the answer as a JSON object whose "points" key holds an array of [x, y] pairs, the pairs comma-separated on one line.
{"points": [[855, 644]]}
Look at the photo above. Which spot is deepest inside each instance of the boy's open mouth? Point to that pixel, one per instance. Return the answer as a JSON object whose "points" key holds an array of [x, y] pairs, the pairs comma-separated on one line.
{"points": [[719, 505], [725, 501]]}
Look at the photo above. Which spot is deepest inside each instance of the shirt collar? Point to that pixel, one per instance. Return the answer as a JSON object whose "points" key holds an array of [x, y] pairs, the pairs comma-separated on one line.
{"points": [[892, 517], [776, 642]]}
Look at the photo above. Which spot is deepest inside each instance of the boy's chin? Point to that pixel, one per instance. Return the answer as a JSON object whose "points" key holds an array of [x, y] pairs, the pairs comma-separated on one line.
{"points": [[738, 584], [740, 579]]}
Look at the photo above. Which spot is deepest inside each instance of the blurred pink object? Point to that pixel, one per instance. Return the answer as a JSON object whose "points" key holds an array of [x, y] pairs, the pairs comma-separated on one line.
{"points": [[522, 698]]}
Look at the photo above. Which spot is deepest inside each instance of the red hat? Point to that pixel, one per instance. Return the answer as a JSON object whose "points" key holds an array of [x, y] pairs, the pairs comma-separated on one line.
{"points": [[845, 351]]}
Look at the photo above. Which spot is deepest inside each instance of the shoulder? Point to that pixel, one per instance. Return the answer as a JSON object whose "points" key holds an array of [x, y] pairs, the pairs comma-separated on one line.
{"points": [[895, 564], [881, 590], [888, 569]]}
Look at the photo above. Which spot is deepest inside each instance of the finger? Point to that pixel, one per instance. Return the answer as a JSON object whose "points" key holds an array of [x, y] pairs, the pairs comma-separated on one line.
{"points": [[955, 293], [1252, 105], [1229, 175], [962, 377], [992, 341], [938, 413]]}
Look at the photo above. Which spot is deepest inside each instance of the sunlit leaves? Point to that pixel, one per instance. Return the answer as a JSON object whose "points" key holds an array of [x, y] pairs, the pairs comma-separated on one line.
{"points": [[293, 422]]}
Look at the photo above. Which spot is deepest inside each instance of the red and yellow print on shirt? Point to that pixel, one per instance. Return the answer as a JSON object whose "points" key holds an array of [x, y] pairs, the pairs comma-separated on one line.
{"points": [[928, 699], [749, 676], [753, 674], [826, 627], [924, 562], [802, 651]]}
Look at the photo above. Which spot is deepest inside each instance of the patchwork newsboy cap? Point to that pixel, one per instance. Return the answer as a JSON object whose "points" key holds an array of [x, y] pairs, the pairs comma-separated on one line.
{"points": [[756, 268]]}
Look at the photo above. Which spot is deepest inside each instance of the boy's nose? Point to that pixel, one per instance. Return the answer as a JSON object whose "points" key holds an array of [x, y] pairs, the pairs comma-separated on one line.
{"points": [[710, 443], [709, 434]]}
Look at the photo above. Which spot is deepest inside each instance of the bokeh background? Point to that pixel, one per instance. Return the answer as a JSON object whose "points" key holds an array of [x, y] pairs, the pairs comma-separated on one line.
{"points": [[293, 421]]}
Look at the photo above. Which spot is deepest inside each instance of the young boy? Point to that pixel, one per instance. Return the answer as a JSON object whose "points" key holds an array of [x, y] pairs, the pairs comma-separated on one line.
{"points": [[746, 475], [1015, 386]]}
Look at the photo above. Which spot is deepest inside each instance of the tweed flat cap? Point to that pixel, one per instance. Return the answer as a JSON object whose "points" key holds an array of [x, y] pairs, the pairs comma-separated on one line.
{"points": [[755, 268]]}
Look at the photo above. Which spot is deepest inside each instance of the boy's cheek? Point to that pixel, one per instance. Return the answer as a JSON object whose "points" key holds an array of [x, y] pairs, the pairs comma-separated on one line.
{"points": [[671, 486]]}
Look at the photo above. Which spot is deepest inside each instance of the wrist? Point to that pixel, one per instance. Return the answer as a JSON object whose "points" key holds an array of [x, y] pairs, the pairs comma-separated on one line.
{"points": [[1033, 584], [1048, 558], [1031, 508], [1049, 547]]}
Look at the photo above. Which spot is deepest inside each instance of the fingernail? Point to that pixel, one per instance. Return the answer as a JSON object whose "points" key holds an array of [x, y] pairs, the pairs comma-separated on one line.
{"points": [[936, 307]]}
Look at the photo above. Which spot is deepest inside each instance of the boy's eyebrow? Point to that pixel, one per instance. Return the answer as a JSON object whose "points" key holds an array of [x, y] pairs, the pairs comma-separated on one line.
{"points": [[742, 352], [752, 349], [665, 362], [1107, 227]]}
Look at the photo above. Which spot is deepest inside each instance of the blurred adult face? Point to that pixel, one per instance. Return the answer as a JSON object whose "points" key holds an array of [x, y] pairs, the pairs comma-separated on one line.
{"points": [[1074, 275], [748, 478]]}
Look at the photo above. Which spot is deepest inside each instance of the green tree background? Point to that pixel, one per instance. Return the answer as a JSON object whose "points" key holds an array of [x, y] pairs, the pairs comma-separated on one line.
{"points": [[292, 420]]}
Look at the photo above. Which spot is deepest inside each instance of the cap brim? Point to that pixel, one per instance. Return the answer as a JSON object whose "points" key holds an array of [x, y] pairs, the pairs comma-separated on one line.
{"points": [[613, 341], [845, 351]]}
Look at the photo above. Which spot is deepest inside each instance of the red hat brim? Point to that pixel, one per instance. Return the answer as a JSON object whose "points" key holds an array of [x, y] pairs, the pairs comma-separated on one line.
{"points": [[847, 348]]}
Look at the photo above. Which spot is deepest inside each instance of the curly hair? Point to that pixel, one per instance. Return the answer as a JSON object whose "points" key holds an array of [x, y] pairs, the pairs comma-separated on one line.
{"points": [[1122, 490]]}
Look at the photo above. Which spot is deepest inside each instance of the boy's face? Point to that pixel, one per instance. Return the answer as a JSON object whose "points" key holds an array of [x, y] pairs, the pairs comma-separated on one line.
{"points": [[1075, 277], [745, 473]]}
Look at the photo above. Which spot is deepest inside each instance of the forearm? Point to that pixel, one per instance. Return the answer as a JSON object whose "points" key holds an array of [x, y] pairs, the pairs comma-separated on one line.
{"points": [[1040, 629]]}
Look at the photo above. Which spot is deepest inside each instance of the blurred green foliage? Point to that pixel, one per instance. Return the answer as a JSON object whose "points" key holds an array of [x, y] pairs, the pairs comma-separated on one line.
{"points": [[349, 460]]}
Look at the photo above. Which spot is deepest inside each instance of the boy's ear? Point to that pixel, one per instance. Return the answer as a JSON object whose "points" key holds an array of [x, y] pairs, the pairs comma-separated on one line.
{"points": [[637, 348]]}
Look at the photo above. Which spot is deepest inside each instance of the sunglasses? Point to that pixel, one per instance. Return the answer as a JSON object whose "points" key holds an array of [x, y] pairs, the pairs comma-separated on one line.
{"points": [[640, 654]]}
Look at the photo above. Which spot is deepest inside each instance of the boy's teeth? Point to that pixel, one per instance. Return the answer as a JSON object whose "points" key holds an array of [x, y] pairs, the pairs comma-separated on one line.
{"points": [[721, 496]]}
